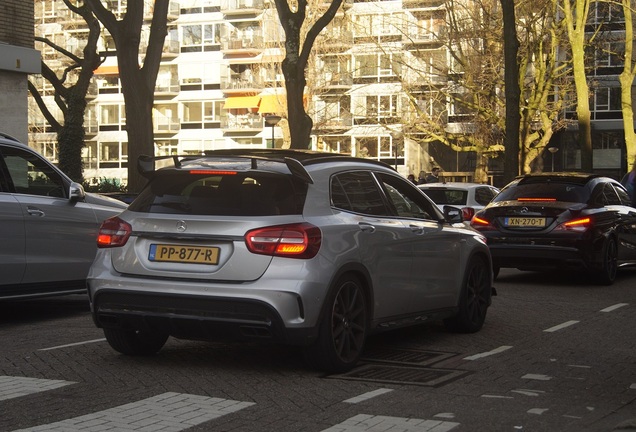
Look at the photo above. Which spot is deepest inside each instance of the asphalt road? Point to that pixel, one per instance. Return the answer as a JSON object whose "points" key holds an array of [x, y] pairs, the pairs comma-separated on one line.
{"points": [[557, 353]]}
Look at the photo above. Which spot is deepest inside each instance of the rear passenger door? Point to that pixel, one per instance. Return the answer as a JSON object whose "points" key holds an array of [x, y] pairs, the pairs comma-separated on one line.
{"points": [[12, 252], [435, 247], [383, 241]]}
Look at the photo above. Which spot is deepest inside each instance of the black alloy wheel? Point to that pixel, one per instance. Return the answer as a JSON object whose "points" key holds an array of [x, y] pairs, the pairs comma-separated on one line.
{"points": [[343, 330], [475, 299], [609, 262]]}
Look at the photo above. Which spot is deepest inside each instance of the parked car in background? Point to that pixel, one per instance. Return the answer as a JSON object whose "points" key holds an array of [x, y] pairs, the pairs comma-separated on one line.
{"points": [[48, 225], [469, 197], [560, 220], [310, 249]]}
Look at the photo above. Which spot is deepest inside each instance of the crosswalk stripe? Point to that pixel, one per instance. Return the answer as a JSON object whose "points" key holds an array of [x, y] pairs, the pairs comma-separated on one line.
{"points": [[166, 412], [366, 422], [13, 387]]}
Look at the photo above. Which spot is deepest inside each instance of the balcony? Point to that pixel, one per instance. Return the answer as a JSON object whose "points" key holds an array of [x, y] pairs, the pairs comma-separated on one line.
{"points": [[167, 88], [242, 122], [241, 83], [238, 44], [165, 125], [242, 7]]}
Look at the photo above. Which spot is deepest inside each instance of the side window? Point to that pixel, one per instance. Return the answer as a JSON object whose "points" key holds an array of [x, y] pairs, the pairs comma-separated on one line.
{"points": [[32, 176], [357, 192], [406, 199], [623, 195], [610, 196], [483, 195]]}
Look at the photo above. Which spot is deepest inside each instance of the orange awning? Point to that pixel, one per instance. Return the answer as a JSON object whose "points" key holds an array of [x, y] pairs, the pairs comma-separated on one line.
{"points": [[107, 70], [241, 102], [272, 104]]}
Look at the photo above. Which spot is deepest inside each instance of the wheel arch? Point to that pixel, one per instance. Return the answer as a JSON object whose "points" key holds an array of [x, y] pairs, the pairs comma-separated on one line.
{"points": [[363, 275]]}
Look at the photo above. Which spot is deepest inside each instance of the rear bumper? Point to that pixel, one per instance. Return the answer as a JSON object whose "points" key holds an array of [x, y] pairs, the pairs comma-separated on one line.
{"points": [[538, 256], [195, 317]]}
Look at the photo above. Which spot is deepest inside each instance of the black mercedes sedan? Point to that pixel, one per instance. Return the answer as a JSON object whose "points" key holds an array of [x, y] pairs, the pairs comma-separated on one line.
{"points": [[561, 220]]}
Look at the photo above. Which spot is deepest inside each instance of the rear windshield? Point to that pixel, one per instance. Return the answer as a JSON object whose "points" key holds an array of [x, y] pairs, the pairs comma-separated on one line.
{"points": [[566, 192], [447, 196], [236, 194]]}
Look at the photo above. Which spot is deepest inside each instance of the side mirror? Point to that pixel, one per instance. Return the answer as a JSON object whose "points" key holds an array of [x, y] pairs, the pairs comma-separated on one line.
{"points": [[453, 214], [76, 192]]}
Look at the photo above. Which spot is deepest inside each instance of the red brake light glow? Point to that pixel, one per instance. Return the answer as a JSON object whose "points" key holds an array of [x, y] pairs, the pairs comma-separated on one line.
{"points": [[212, 172], [536, 199], [114, 232], [580, 224], [292, 241], [477, 221]]}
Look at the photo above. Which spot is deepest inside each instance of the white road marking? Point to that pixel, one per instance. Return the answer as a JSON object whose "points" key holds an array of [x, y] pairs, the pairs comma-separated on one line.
{"points": [[489, 353], [538, 377], [613, 308], [368, 395], [13, 387], [366, 422], [496, 396], [537, 411], [73, 344], [168, 411], [632, 387], [561, 326], [528, 392]]}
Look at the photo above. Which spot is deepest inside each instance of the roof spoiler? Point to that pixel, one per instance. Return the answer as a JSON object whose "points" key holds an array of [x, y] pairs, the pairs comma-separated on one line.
{"points": [[148, 165]]}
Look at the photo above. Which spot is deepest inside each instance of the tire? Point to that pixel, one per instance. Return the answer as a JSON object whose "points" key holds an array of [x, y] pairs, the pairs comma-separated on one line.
{"points": [[474, 299], [495, 270], [343, 329], [609, 263], [135, 342]]}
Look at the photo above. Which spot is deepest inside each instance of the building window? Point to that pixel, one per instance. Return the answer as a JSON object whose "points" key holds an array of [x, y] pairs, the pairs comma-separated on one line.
{"points": [[199, 37]]}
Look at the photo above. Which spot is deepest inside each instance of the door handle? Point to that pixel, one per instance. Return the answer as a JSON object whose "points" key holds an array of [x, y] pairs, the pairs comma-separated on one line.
{"points": [[417, 229], [35, 212], [366, 227]]}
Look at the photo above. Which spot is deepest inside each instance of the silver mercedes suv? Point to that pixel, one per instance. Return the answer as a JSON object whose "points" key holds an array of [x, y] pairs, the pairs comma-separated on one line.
{"points": [[312, 249]]}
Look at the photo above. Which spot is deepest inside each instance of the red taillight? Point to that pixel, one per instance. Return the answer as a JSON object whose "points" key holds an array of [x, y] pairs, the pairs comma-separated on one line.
{"points": [[477, 222], [293, 241], [580, 224], [114, 232], [468, 213]]}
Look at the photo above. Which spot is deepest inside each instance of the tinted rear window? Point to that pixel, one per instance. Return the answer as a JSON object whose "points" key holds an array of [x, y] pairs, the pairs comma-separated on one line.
{"points": [[447, 196], [240, 194], [566, 192]]}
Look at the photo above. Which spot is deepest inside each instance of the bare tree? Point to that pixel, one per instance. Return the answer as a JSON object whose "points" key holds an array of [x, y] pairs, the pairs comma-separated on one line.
{"points": [[137, 81], [626, 79], [512, 91], [71, 88], [575, 13], [297, 51]]}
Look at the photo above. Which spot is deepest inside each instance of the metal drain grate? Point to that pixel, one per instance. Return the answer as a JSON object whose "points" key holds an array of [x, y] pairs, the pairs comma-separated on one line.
{"points": [[404, 356], [403, 375]]}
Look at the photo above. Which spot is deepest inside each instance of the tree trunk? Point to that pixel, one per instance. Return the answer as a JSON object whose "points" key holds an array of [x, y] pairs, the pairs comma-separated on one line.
{"points": [[513, 91]]}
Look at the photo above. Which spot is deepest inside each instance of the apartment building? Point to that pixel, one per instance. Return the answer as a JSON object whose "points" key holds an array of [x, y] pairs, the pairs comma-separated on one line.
{"points": [[220, 84], [18, 59]]}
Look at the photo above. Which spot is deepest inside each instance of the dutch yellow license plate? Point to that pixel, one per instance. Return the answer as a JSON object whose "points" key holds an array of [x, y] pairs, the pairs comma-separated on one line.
{"points": [[525, 222], [184, 254]]}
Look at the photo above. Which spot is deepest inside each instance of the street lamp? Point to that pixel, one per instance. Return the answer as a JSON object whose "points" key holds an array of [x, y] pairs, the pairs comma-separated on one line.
{"points": [[553, 150], [272, 120]]}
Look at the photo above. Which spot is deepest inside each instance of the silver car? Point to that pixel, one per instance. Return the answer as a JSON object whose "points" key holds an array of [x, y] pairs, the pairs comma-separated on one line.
{"points": [[469, 197], [48, 225], [311, 249]]}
